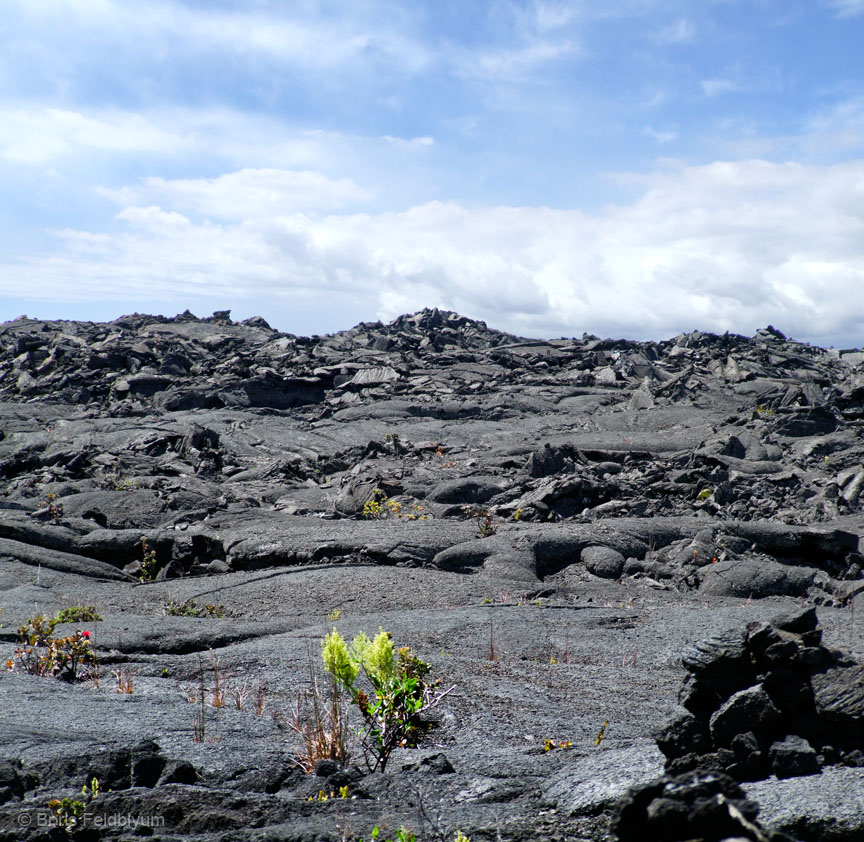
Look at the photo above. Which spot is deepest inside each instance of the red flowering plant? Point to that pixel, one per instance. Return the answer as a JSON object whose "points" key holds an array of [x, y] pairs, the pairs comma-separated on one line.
{"points": [[39, 653]]}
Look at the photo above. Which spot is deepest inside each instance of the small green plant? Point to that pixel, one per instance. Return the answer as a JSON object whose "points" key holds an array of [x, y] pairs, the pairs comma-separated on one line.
{"points": [[334, 615], [49, 505], [400, 691], [116, 482], [484, 520], [149, 565], [601, 733], [326, 796], [39, 653], [189, 608], [381, 507], [78, 614], [402, 835], [70, 811]]}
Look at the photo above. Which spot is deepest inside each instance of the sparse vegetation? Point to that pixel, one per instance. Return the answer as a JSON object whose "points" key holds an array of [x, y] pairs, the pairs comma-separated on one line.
{"points": [[320, 719], [50, 505], [117, 482], [149, 565], [68, 658], [483, 518], [401, 691], [402, 835], [78, 614], [125, 680], [189, 608], [323, 795], [381, 507], [601, 733], [70, 811]]}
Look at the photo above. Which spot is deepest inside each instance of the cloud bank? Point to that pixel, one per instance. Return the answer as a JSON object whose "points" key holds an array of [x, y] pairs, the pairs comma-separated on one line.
{"points": [[726, 246]]}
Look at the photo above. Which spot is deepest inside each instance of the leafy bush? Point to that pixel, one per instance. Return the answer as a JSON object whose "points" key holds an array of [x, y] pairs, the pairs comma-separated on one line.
{"points": [[67, 658], [51, 507], [189, 608], [78, 614], [400, 691], [402, 835], [149, 564], [381, 507], [484, 520], [70, 811]]}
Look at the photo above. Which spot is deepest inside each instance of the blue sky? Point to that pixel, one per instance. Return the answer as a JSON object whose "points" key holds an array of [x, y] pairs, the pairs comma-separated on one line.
{"points": [[628, 167]]}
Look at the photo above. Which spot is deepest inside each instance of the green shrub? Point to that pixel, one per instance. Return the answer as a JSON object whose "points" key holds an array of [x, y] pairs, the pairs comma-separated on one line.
{"points": [[78, 614], [149, 564], [39, 653], [381, 507], [486, 526], [400, 691], [189, 608], [69, 811]]}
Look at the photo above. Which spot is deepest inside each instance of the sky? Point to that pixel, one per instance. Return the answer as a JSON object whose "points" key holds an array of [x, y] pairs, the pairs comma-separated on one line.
{"points": [[625, 168]]}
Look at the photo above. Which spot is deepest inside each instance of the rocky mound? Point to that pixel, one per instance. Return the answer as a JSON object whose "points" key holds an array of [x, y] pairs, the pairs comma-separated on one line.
{"points": [[702, 805], [768, 699], [549, 523]]}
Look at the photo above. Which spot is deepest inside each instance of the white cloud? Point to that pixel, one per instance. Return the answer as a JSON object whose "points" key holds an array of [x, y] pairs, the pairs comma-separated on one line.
{"points": [[715, 87], [552, 15], [198, 139], [846, 8], [728, 246], [304, 38], [681, 31], [38, 135], [839, 127], [411, 143], [660, 136], [514, 63], [246, 194]]}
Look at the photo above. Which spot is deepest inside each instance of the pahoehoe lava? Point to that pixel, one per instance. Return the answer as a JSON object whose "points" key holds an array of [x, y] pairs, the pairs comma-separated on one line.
{"points": [[639, 563]]}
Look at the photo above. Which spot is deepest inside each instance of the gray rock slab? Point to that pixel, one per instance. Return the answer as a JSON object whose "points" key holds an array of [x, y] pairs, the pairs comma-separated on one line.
{"points": [[591, 783], [839, 691], [756, 578], [827, 807], [56, 560]]}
